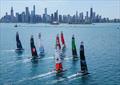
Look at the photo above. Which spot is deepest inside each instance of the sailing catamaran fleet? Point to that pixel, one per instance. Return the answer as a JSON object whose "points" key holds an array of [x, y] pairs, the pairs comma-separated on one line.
{"points": [[60, 50]]}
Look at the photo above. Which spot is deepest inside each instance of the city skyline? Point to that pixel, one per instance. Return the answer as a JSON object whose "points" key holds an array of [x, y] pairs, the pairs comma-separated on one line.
{"points": [[30, 16], [107, 8]]}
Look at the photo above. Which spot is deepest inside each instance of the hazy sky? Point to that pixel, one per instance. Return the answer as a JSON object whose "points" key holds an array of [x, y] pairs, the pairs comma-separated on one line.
{"points": [[106, 8]]}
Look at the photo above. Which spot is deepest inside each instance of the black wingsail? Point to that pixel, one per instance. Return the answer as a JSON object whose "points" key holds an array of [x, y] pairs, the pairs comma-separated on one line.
{"points": [[18, 42], [33, 48], [83, 63], [74, 51]]}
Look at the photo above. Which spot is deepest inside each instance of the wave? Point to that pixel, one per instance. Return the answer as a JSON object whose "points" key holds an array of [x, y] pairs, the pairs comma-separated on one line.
{"points": [[37, 76]]}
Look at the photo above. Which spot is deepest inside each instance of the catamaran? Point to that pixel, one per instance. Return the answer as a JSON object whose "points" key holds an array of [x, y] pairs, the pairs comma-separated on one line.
{"points": [[41, 47], [83, 63], [74, 51], [18, 44], [84, 69], [33, 48], [63, 46]]}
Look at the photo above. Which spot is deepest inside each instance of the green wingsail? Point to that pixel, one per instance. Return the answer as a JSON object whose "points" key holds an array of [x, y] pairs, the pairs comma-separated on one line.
{"points": [[74, 51]]}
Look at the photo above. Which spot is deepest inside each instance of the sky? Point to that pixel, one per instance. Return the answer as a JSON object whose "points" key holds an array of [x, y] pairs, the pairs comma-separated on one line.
{"points": [[106, 8]]}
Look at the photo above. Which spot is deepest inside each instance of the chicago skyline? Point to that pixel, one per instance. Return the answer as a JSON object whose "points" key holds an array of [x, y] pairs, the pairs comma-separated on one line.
{"points": [[30, 16], [106, 8]]}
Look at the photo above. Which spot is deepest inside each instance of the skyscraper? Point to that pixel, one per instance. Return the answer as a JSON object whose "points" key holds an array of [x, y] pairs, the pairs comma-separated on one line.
{"points": [[81, 17], [76, 17], [60, 18], [45, 11], [12, 15], [34, 9], [86, 17], [27, 13], [45, 15], [23, 17], [56, 16], [91, 14], [52, 18], [12, 11]]}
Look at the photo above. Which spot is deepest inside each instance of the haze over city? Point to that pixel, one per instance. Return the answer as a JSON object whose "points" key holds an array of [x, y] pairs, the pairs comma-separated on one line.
{"points": [[64, 6]]}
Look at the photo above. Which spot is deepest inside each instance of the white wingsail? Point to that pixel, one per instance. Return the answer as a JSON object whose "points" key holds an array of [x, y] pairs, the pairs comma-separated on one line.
{"points": [[41, 47]]}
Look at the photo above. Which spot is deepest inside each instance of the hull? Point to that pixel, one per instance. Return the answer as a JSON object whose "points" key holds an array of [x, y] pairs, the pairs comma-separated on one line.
{"points": [[19, 51], [41, 51]]}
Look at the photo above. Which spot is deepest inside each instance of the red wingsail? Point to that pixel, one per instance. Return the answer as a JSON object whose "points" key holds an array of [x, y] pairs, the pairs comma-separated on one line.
{"points": [[58, 42], [62, 39]]}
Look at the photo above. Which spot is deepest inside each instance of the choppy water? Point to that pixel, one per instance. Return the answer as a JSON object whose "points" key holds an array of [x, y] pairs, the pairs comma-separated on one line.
{"points": [[102, 50]]}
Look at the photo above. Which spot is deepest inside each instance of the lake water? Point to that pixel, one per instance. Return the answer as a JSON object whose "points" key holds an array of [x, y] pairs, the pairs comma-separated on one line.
{"points": [[102, 51]]}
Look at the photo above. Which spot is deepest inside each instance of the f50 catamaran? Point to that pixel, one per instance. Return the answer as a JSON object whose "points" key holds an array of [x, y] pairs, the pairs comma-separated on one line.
{"points": [[74, 51], [33, 48], [83, 63], [41, 47], [18, 44]]}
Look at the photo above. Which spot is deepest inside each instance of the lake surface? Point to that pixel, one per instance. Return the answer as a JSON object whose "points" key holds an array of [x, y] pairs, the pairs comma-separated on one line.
{"points": [[102, 51]]}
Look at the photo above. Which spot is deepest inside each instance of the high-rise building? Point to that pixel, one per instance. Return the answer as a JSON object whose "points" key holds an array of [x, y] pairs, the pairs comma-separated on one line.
{"points": [[86, 17], [91, 14], [69, 18], [34, 10], [27, 15], [32, 16], [81, 17], [45, 15], [23, 17], [60, 18], [12, 15], [17, 17], [45, 11], [12, 11], [76, 17], [93, 18], [56, 16]]}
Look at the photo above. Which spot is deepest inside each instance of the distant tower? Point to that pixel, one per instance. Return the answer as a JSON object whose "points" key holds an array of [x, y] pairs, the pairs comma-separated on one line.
{"points": [[76, 19], [12, 11], [12, 14], [34, 9], [23, 16], [91, 14], [81, 17], [45, 11], [87, 15], [45, 14], [27, 13], [56, 16], [52, 17], [32, 16]]}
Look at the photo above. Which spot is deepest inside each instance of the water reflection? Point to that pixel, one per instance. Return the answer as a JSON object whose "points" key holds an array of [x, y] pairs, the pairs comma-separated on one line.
{"points": [[34, 61]]}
